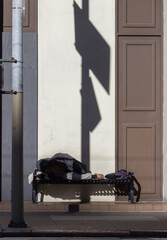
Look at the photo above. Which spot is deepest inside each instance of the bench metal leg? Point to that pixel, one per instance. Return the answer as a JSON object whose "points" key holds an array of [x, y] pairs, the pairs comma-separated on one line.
{"points": [[34, 191], [131, 191]]}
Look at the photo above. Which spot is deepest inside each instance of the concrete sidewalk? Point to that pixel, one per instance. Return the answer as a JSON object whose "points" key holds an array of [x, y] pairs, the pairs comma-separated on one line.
{"points": [[87, 224]]}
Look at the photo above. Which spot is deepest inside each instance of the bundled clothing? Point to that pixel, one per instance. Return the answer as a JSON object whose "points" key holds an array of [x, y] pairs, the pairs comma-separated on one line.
{"points": [[63, 166]]}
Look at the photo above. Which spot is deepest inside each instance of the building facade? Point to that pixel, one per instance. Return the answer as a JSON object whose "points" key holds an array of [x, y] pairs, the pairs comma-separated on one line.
{"points": [[94, 87]]}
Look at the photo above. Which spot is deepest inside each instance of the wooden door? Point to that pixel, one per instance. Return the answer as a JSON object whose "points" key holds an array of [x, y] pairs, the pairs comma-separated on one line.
{"points": [[139, 99]]}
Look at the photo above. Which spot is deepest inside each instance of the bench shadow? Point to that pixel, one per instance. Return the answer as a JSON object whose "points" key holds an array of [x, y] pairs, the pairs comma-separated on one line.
{"points": [[83, 192]]}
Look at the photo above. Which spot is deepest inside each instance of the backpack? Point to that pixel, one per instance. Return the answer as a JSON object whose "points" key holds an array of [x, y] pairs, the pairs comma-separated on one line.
{"points": [[118, 175]]}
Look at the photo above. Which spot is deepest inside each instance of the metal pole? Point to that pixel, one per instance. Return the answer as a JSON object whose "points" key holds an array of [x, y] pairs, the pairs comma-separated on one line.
{"points": [[17, 200]]}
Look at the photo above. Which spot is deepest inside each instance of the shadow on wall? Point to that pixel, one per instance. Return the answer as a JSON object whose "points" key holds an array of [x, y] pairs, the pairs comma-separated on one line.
{"points": [[1, 30], [95, 54]]}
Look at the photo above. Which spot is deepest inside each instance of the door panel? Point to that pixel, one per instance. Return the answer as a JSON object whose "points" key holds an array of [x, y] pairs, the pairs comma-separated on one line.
{"points": [[139, 74], [140, 156], [139, 17]]}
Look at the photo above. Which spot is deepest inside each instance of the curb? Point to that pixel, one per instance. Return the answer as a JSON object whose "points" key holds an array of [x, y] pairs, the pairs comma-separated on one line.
{"points": [[80, 233], [148, 233], [63, 233]]}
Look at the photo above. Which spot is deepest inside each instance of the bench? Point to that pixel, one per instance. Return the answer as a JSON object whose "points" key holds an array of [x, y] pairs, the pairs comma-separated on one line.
{"points": [[119, 185]]}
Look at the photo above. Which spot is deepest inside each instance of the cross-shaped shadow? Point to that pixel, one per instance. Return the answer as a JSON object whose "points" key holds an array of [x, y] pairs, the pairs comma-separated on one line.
{"points": [[95, 53]]}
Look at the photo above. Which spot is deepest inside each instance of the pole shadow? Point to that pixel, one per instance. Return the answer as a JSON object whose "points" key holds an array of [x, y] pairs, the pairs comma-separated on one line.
{"points": [[95, 53]]}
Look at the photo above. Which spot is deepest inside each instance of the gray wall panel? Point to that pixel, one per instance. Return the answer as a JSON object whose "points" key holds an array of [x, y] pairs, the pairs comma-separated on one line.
{"points": [[6, 120], [30, 112]]}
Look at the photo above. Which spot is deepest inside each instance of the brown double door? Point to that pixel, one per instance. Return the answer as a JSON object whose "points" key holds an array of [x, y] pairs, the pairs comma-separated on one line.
{"points": [[139, 100]]}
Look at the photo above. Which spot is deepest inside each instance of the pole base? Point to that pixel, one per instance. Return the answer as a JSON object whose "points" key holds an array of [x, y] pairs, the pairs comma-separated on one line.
{"points": [[17, 225]]}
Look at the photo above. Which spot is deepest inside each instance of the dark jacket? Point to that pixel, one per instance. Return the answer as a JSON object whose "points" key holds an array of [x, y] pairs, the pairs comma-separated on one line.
{"points": [[58, 165]]}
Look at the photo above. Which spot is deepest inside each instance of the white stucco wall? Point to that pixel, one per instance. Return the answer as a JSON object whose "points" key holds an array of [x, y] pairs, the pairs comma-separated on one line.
{"points": [[59, 84]]}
